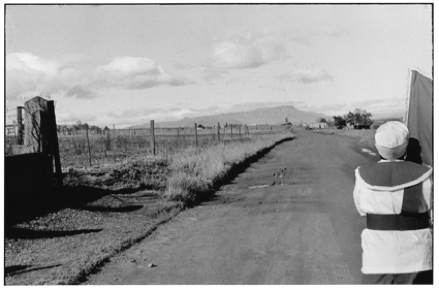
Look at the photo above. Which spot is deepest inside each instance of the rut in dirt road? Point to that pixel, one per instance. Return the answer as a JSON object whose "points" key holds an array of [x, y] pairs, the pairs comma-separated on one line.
{"points": [[288, 219]]}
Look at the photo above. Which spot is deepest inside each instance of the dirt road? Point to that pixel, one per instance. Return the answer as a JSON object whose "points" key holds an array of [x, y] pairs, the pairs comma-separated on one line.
{"points": [[288, 219]]}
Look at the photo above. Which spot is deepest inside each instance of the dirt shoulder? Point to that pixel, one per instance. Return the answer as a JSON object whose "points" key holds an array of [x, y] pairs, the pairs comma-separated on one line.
{"points": [[288, 219], [101, 212]]}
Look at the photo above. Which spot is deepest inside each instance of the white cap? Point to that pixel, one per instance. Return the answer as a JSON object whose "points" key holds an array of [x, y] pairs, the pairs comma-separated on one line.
{"points": [[391, 139]]}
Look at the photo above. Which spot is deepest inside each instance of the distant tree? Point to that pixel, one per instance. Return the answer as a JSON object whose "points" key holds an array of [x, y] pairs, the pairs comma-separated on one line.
{"points": [[359, 116], [339, 122]]}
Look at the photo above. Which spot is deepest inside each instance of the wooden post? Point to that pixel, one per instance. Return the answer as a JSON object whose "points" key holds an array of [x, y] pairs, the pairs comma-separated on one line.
{"points": [[151, 133], [231, 131], [20, 124], [108, 141], [88, 143], [178, 136], [196, 136], [36, 127], [239, 130], [114, 131], [219, 131], [55, 144], [113, 147]]}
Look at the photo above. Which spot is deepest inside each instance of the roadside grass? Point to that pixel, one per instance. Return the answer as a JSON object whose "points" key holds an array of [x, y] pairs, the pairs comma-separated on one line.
{"points": [[66, 245], [195, 174]]}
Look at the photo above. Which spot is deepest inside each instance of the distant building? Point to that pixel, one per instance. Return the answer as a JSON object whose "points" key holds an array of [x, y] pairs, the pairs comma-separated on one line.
{"points": [[10, 130], [321, 125]]}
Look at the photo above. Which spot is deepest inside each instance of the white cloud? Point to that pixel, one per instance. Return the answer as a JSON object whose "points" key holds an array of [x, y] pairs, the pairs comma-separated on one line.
{"points": [[81, 92], [136, 73], [27, 74], [157, 114], [63, 117], [210, 73], [305, 76], [247, 52]]}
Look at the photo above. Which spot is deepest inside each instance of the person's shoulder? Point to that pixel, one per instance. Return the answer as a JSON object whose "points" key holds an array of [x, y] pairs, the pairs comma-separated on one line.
{"points": [[394, 173]]}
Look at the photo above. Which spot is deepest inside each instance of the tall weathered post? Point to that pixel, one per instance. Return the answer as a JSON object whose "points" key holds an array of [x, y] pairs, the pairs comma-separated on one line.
{"points": [[40, 136], [231, 131], [36, 127], [20, 124], [152, 137], [239, 130]]}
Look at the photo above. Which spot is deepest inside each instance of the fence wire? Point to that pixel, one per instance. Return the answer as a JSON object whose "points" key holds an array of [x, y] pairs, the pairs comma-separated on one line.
{"points": [[97, 146], [118, 145]]}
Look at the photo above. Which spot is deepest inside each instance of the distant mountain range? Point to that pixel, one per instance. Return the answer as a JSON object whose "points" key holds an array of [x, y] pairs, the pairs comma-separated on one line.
{"points": [[272, 116]]}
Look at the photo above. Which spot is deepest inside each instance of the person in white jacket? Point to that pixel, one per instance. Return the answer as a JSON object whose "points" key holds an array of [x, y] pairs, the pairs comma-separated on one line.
{"points": [[395, 197]]}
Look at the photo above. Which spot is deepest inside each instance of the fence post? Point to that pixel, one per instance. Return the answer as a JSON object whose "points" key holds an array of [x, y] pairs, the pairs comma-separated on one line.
{"points": [[196, 136], [20, 124], [113, 143], [178, 136], [146, 134], [151, 128], [88, 143], [108, 142], [219, 131], [231, 131], [239, 130]]}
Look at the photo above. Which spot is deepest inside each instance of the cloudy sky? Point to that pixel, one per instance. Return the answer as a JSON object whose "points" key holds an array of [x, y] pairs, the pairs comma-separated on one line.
{"points": [[128, 64]]}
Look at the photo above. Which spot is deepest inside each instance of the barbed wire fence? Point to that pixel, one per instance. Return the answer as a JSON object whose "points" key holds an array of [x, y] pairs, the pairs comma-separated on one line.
{"points": [[119, 145], [85, 146]]}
